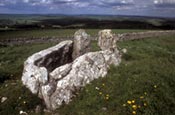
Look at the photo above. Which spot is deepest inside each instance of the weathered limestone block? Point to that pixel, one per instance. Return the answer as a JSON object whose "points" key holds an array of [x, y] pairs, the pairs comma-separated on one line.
{"points": [[84, 69], [106, 40], [112, 57], [61, 72], [38, 66], [81, 43]]}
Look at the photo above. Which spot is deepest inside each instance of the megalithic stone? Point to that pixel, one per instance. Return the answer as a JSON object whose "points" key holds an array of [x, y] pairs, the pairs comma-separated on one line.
{"points": [[55, 77], [81, 43], [106, 39]]}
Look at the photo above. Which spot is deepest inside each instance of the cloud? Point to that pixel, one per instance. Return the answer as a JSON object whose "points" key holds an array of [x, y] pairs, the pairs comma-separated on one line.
{"points": [[1, 4], [131, 7], [164, 1], [78, 3], [4, 2], [112, 3], [164, 4]]}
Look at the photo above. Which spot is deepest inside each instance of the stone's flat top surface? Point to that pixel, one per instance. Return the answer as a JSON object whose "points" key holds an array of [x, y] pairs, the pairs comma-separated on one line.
{"points": [[81, 32], [45, 52]]}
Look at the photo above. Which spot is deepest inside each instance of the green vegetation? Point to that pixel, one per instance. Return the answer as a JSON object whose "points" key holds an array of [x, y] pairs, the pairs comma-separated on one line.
{"points": [[145, 78], [12, 59], [53, 32], [18, 98]]}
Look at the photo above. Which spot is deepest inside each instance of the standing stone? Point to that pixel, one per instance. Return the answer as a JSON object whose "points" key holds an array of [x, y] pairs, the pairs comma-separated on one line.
{"points": [[81, 43], [106, 40]]}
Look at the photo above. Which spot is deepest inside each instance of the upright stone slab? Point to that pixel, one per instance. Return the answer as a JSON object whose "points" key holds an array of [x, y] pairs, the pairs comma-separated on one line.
{"points": [[81, 43], [38, 66], [106, 40]]}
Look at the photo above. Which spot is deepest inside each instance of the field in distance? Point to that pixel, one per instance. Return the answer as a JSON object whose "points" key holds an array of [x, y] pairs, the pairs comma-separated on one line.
{"points": [[37, 33], [37, 21]]}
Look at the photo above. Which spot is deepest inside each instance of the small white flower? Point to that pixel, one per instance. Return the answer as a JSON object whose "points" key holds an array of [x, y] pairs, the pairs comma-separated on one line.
{"points": [[124, 50], [97, 88], [23, 113], [3, 99]]}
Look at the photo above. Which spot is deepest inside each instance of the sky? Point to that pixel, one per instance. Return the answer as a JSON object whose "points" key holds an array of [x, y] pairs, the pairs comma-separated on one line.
{"points": [[163, 8]]}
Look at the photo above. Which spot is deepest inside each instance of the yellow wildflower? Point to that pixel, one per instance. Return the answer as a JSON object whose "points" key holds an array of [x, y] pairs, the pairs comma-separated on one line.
{"points": [[141, 97], [134, 107], [124, 105], [129, 102], [107, 95], [145, 104], [139, 106], [134, 112], [133, 101], [100, 93], [103, 84]]}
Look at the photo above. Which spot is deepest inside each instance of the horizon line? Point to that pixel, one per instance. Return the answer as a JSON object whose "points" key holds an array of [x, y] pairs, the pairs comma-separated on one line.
{"points": [[66, 14]]}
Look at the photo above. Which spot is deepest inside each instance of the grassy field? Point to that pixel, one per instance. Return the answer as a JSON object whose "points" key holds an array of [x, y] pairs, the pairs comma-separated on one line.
{"points": [[53, 32], [144, 83]]}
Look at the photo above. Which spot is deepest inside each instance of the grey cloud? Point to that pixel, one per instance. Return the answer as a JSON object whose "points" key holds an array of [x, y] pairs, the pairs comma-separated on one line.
{"points": [[90, 6], [164, 3], [112, 3], [98, 3]]}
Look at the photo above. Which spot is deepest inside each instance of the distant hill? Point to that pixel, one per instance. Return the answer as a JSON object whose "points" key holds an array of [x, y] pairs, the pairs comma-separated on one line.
{"points": [[31, 21]]}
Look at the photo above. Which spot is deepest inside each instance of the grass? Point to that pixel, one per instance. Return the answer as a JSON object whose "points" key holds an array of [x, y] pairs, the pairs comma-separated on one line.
{"points": [[53, 32], [13, 57], [146, 77], [18, 98]]}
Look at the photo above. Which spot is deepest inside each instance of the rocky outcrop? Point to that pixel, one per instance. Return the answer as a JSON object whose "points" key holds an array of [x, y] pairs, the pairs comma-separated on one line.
{"points": [[57, 84]]}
